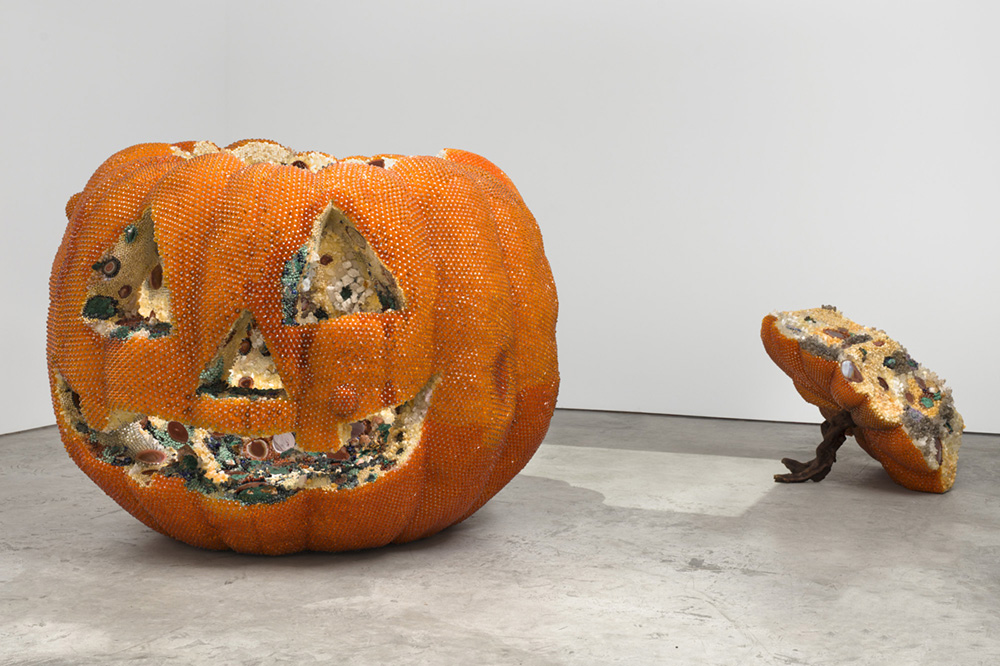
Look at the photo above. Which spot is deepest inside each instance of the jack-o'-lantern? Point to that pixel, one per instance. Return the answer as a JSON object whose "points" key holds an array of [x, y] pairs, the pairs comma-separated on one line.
{"points": [[271, 351]]}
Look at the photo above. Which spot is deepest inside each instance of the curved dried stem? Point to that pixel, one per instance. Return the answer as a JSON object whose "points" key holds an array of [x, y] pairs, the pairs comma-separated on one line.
{"points": [[835, 431]]}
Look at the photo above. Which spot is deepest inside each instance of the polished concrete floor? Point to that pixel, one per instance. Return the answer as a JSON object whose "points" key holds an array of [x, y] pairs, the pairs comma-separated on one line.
{"points": [[628, 539]]}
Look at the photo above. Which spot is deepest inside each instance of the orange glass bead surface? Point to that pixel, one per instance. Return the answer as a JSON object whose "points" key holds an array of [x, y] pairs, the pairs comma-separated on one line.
{"points": [[903, 415], [272, 351]]}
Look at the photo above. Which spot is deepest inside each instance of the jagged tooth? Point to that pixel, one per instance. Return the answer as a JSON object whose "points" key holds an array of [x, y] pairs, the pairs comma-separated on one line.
{"points": [[141, 445], [136, 438], [283, 442]]}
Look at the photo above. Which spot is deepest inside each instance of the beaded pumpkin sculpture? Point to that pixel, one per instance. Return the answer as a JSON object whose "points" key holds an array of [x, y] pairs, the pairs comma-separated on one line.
{"points": [[867, 385], [270, 351]]}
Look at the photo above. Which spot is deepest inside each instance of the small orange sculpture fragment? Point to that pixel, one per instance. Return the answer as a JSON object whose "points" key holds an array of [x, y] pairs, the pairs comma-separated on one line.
{"points": [[866, 385]]}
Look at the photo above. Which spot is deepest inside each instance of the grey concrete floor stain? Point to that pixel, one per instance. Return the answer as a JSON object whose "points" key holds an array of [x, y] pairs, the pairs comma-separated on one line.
{"points": [[853, 570]]}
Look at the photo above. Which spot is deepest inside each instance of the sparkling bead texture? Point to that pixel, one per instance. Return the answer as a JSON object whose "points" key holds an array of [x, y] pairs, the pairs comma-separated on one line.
{"points": [[317, 353], [841, 366]]}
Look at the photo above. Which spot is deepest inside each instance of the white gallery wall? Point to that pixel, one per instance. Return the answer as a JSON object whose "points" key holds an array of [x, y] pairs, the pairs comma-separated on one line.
{"points": [[693, 165]]}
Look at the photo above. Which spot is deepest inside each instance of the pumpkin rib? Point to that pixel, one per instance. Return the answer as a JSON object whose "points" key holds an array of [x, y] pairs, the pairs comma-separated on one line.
{"points": [[63, 331], [519, 249], [480, 163], [176, 509], [272, 529], [234, 526], [126, 158], [437, 186]]}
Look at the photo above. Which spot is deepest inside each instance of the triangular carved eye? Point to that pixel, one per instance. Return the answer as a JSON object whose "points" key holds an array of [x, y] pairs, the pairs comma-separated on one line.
{"points": [[334, 274], [243, 366], [127, 292]]}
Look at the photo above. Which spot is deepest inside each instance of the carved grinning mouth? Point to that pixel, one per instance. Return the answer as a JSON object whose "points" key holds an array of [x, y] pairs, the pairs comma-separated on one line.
{"points": [[251, 469]]}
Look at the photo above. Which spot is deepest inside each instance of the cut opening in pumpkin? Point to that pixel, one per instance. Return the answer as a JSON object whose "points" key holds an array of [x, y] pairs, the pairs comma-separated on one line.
{"points": [[243, 366], [127, 292], [336, 273], [253, 469]]}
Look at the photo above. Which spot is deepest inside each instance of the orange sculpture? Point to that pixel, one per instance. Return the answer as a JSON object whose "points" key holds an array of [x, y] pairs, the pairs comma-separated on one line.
{"points": [[271, 351], [866, 384]]}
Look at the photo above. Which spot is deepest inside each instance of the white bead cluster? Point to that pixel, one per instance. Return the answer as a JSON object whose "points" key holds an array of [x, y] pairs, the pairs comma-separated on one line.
{"points": [[360, 290]]}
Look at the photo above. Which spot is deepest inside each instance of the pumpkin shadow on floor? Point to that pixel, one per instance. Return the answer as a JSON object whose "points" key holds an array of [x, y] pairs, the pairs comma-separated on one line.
{"points": [[864, 474]]}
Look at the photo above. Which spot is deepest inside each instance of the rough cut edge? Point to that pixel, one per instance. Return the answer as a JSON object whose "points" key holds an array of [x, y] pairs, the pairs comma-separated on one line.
{"points": [[257, 151]]}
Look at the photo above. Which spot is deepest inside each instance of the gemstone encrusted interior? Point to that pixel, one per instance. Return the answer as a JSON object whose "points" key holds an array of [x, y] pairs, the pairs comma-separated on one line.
{"points": [[251, 469], [898, 390], [336, 273], [127, 295]]}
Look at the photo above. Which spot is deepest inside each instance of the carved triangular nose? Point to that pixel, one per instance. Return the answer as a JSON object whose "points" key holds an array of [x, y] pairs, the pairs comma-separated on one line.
{"points": [[243, 365]]}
